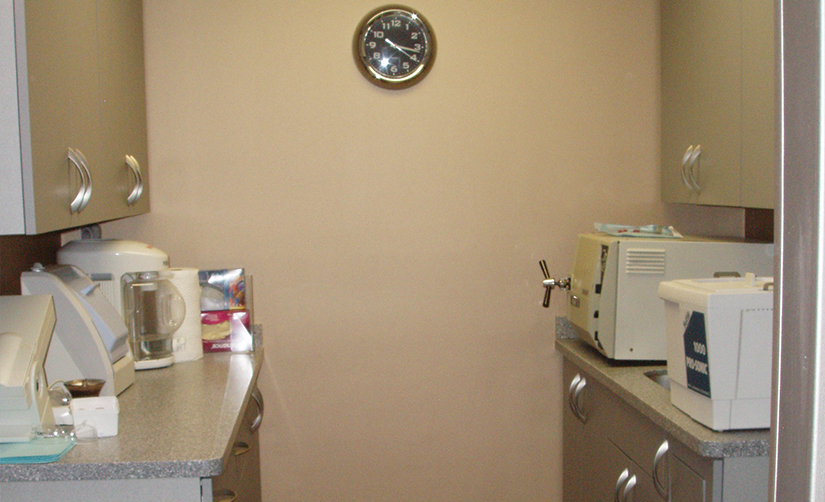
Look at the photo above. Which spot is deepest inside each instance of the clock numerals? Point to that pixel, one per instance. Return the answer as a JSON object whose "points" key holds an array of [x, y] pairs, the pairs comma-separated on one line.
{"points": [[395, 46]]}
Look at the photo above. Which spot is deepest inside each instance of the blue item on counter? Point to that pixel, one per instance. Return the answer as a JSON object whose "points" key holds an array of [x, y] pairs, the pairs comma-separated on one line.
{"points": [[39, 450], [643, 231]]}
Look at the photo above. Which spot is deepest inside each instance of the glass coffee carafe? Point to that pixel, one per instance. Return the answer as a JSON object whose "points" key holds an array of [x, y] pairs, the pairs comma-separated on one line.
{"points": [[153, 310]]}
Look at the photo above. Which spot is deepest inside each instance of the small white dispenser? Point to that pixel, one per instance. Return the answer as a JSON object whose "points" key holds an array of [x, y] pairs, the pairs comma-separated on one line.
{"points": [[719, 347]]}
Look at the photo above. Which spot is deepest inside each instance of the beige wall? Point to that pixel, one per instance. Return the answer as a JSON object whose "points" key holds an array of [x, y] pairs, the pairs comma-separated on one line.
{"points": [[394, 237]]}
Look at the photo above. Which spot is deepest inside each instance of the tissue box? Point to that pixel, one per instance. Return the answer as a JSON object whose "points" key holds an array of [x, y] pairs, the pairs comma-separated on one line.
{"points": [[222, 289], [226, 330], [100, 413], [719, 348]]}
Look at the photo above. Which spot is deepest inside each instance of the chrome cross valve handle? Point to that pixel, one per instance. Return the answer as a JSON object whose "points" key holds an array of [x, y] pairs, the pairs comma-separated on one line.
{"points": [[550, 283]]}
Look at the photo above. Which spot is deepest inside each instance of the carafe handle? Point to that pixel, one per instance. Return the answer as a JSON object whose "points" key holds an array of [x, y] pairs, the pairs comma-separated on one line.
{"points": [[173, 310]]}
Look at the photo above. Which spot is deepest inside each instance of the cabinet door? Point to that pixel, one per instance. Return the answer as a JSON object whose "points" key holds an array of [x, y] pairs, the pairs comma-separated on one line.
{"points": [[577, 446], [62, 113], [701, 96], [758, 128], [580, 443], [588, 413], [123, 108], [81, 93], [685, 485]]}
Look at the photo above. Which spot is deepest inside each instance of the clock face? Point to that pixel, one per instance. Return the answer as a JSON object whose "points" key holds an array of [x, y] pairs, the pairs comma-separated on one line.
{"points": [[394, 47]]}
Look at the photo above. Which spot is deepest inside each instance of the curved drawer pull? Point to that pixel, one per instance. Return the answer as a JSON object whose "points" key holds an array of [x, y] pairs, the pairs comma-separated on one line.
{"points": [[577, 385], [88, 194], [573, 383], [623, 477], [224, 495], [137, 190], [85, 191], [627, 493], [240, 448], [661, 487], [694, 161], [74, 206], [690, 177], [685, 163], [259, 400]]}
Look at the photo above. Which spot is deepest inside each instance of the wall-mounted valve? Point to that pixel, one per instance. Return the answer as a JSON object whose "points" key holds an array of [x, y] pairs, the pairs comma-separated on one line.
{"points": [[550, 283]]}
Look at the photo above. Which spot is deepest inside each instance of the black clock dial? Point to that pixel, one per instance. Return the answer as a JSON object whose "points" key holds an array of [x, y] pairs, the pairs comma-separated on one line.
{"points": [[395, 46]]}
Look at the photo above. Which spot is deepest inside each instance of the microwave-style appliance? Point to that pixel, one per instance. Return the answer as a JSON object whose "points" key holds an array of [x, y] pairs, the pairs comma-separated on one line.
{"points": [[613, 302]]}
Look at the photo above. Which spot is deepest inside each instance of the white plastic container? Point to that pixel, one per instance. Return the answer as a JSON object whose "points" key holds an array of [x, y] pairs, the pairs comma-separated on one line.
{"points": [[95, 416], [719, 349]]}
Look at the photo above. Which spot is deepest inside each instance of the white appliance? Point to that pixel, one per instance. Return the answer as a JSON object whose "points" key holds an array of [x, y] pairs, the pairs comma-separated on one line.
{"points": [[106, 261], [90, 337], [613, 303], [720, 339], [26, 324]]}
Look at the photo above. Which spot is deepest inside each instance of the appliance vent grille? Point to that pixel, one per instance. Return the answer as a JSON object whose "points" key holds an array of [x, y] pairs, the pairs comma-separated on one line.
{"points": [[645, 261]]}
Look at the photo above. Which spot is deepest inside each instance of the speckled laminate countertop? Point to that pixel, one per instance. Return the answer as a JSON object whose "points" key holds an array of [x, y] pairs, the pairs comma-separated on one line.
{"points": [[628, 381], [173, 422]]}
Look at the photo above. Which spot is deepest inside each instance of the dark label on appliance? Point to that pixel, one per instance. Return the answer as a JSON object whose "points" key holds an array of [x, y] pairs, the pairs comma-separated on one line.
{"points": [[602, 268], [696, 354]]}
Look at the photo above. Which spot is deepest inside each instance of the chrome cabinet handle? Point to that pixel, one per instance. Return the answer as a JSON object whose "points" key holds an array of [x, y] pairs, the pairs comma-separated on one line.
{"points": [[627, 493], [259, 401], [660, 459], [84, 193], [694, 162], [74, 206], [137, 190], [623, 477], [690, 176], [624, 487], [685, 162], [240, 448], [577, 385], [224, 496], [88, 194]]}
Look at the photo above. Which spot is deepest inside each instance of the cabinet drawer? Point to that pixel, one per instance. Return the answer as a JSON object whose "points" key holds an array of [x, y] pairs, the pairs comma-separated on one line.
{"points": [[636, 436], [627, 480]]}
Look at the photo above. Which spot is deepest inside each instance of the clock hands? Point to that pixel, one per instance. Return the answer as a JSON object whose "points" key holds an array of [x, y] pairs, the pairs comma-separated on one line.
{"points": [[403, 49]]}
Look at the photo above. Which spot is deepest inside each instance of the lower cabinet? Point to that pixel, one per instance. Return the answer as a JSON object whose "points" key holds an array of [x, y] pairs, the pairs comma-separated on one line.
{"points": [[241, 477], [614, 453], [240, 480]]}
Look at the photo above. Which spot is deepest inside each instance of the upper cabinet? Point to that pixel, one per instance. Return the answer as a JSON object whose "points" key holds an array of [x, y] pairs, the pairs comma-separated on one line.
{"points": [[73, 101], [718, 145]]}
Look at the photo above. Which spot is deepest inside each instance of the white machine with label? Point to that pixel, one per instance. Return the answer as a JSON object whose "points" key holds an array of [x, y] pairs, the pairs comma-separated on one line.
{"points": [[719, 349], [90, 338], [612, 301], [26, 324]]}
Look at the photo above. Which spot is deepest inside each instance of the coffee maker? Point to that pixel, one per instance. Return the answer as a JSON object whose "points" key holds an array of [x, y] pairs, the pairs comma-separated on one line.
{"points": [[106, 261], [130, 274]]}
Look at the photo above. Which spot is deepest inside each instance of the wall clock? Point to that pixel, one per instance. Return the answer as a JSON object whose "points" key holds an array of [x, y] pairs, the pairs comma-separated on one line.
{"points": [[394, 47]]}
